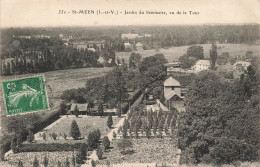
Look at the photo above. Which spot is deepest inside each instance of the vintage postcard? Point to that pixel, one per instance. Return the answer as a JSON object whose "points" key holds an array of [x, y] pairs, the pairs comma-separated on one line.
{"points": [[129, 83]]}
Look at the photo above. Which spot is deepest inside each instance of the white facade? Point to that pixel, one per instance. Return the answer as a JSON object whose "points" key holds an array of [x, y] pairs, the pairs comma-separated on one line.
{"points": [[201, 65]]}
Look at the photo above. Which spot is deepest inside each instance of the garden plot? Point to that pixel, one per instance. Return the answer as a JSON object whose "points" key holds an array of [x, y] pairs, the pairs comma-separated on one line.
{"points": [[28, 157], [152, 150], [63, 125]]}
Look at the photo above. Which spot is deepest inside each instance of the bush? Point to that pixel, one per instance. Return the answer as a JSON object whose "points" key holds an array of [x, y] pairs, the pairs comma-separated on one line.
{"points": [[100, 152], [45, 161], [83, 150], [36, 162], [114, 134], [93, 139], [109, 121], [124, 144], [30, 137], [54, 136], [49, 147], [74, 131], [106, 142], [100, 109]]}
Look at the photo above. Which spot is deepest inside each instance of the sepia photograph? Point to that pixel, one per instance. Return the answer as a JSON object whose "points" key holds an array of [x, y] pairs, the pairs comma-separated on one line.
{"points": [[129, 83]]}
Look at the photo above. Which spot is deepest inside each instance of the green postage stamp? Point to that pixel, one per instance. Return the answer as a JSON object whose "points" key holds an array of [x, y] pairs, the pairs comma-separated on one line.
{"points": [[25, 95]]}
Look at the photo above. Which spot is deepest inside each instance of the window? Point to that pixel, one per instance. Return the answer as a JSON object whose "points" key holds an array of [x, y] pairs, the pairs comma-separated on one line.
{"points": [[172, 87]]}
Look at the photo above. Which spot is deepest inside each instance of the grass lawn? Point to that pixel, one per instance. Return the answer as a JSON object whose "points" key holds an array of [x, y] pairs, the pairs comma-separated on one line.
{"points": [[173, 53], [86, 125], [145, 151]]}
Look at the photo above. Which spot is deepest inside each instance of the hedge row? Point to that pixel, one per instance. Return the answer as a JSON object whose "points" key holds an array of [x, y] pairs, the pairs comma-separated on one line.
{"points": [[125, 106], [134, 96], [131, 99], [45, 121], [51, 147]]}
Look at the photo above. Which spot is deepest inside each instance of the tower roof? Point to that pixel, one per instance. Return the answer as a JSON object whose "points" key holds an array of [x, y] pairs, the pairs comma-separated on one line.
{"points": [[171, 82]]}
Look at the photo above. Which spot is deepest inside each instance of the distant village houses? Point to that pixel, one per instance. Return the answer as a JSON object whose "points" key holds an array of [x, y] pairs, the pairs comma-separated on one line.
{"points": [[139, 46], [201, 65], [242, 65], [173, 67]]}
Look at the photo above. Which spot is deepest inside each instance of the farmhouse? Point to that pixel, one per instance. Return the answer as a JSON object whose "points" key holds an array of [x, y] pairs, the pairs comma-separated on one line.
{"points": [[242, 65], [173, 67], [92, 49], [201, 65], [129, 36], [83, 108], [174, 93], [139, 46]]}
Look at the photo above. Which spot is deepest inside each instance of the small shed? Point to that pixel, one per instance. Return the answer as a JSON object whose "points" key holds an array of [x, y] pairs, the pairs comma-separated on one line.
{"points": [[83, 108]]}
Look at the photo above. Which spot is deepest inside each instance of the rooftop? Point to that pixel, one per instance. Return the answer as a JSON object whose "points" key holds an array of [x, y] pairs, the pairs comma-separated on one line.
{"points": [[171, 82], [203, 62], [81, 107]]}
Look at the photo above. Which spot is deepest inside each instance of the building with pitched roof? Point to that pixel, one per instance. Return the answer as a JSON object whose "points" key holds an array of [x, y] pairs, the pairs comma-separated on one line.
{"points": [[174, 94], [201, 65]]}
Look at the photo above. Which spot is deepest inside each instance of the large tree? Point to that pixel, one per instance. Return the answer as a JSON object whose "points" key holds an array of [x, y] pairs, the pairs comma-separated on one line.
{"points": [[195, 51], [110, 121], [134, 59], [213, 55], [214, 122], [100, 109]]}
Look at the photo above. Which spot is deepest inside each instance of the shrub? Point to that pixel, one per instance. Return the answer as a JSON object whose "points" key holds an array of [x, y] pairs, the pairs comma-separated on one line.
{"points": [[109, 121], [65, 136], [30, 136], [54, 136], [83, 150], [14, 146], [76, 111], [100, 152], [74, 131], [100, 109], [58, 164], [98, 134], [114, 134], [106, 143], [124, 144], [45, 161], [36, 162], [92, 140], [20, 163], [67, 163], [63, 108], [44, 136]]}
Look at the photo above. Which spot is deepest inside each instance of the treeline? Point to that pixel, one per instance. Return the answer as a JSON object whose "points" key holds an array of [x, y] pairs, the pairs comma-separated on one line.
{"points": [[41, 55], [221, 122], [163, 35], [167, 36]]}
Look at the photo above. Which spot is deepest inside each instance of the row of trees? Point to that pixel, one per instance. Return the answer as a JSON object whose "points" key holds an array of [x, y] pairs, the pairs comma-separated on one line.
{"points": [[52, 54], [141, 120]]}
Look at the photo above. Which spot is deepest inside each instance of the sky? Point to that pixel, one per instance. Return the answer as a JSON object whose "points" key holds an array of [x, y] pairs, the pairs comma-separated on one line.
{"points": [[39, 13]]}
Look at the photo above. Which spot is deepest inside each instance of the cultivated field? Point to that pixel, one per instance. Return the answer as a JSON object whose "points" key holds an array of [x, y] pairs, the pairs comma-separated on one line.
{"points": [[86, 125], [173, 53], [145, 151], [71, 79], [28, 157]]}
